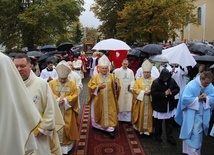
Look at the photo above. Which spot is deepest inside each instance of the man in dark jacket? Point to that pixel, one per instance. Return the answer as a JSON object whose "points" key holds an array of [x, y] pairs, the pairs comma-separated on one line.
{"points": [[163, 91]]}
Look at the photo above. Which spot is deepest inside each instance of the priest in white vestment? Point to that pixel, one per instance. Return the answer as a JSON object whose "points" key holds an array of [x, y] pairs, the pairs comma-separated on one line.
{"points": [[126, 77], [18, 114], [42, 96], [73, 76]]}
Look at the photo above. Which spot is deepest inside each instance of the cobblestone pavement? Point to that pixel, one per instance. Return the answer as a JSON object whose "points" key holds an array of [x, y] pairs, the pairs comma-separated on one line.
{"points": [[150, 145]]}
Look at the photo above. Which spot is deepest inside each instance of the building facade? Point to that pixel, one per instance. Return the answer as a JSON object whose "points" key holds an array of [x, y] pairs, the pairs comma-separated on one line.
{"points": [[204, 31]]}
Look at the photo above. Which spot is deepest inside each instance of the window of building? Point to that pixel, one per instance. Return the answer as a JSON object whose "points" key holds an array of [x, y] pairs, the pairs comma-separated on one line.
{"points": [[199, 15]]}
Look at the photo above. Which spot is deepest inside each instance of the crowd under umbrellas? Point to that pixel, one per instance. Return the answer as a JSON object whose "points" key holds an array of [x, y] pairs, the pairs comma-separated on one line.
{"points": [[180, 54], [202, 53], [47, 53]]}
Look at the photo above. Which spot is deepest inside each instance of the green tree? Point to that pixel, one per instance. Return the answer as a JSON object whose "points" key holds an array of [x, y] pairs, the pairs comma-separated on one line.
{"points": [[76, 33], [143, 20], [106, 12], [152, 20], [37, 22], [92, 32]]}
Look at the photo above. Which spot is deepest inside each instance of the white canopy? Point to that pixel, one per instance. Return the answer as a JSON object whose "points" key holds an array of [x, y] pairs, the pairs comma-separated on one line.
{"points": [[179, 54]]}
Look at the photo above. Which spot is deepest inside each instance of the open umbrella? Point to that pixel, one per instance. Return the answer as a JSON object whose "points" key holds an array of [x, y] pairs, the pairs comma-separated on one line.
{"points": [[111, 44], [35, 53], [13, 54], [66, 46], [204, 59], [134, 52], [158, 58], [48, 48], [43, 57], [152, 48], [53, 58], [58, 52], [201, 48], [137, 53]]}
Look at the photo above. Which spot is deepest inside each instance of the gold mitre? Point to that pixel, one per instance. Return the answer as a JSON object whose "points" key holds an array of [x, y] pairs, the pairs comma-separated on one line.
{"points": [[147, 66], [103, 61], [63, 69]]}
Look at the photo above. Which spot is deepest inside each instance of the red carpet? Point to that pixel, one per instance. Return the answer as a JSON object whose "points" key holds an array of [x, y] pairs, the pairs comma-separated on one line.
{"points": [[96, 142]]}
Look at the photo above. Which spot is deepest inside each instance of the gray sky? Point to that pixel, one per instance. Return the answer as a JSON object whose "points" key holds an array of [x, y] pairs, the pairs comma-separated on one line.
{"points": [[87, 18]]}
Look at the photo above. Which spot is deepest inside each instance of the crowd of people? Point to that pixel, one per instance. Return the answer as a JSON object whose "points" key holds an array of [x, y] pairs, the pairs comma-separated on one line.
{"points": [[46, 105]]}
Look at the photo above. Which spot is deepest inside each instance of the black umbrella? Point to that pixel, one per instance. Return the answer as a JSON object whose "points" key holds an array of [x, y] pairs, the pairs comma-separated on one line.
{"points": [[35, 53], [201, 48], [53, 58], [134, 52], [13, 54], [48, 48], [77, 48], [204, 59], [137, 53], [43, 57], [66, 46], [59, 52], [152, 48]]}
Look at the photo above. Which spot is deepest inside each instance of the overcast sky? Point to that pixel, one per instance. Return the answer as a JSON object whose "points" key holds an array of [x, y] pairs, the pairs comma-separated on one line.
{"points": [[87, 18]]}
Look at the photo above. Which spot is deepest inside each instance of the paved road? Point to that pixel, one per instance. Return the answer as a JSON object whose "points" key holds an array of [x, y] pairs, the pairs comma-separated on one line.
{"points": [[150, 145]]}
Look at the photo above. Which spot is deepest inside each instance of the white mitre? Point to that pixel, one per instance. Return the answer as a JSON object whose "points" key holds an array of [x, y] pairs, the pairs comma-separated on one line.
{"points": [[63, 69], [147, 66], [104, 61]]}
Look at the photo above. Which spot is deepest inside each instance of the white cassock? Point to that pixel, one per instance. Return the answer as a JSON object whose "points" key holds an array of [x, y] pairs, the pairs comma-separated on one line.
{"points": [[154, 72], [77, 68], [126, 77], [178, 76], [73, 76], [167, 66], [45, 74], [18, 114], [52, 119]]}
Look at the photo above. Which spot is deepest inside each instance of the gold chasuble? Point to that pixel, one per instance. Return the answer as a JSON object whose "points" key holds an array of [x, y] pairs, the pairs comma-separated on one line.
{"points": [[142, 110], [69, 91], [105, 100]]}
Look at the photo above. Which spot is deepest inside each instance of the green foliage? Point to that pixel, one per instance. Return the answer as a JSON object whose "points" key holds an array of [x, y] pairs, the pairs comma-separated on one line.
{"points": [[39, 23], [106, 12], [76, 33], [143, 20]]}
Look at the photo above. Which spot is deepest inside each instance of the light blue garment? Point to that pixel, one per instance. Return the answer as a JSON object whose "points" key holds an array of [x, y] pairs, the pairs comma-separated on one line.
{"points": [[195, 139], [212, 132], [189, 118]]}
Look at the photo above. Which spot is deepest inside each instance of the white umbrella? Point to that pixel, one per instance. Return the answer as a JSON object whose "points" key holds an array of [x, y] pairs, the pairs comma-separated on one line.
{"points": [[179, 54], [111, 44]]}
